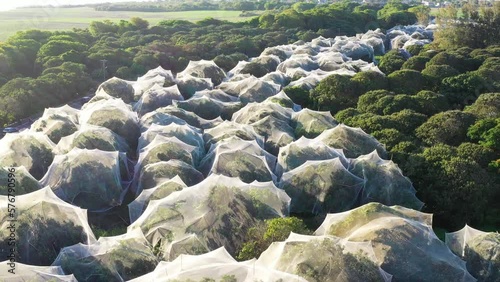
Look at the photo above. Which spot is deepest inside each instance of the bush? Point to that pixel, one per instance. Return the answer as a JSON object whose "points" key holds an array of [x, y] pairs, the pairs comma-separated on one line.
{"points": [[448, 127], [415, 63], [391, 62], [408, 82]]}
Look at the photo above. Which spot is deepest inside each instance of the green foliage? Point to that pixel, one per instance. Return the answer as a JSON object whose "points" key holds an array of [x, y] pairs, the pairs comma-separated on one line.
{"points": [[463, 89], [391, 62], [415, 63], [408, 81], [335, 93], [273, 230], [486, 106], [486, 132], [448, 127], [298, 95]]}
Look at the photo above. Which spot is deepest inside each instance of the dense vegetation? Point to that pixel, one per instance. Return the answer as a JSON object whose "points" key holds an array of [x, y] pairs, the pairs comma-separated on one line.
{"points": [[55, 67]]}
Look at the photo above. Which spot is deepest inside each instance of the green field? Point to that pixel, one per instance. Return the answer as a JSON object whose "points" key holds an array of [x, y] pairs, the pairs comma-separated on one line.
{"points": [[68, 18]]}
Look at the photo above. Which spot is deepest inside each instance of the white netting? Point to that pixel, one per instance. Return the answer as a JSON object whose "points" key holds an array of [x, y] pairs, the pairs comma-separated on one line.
{"points": [[323, 259], [157, 97], [24, 272], [141, 86], [217, 265], [154, 174], [277, 78], [297, 153], [137, 207], [44, 224], [249, 165], [168, 148], [353, 141], [277, 133], [250, 89], [402, 239], [209, 108], [254, 112], [353, 48], [92, 137], [115, 115], [311, 123], [219, 211], [117, 88], [159, 71], [184, 132], [24, 183], [91, 179], [169, 114], [319, 187], [188, 85], [33, 150], [282, 51], [228, 129], [283, 100], [215, 94], [235, 144], [204, 69], [480, 250], [302, 61], [384, 182], [118, 258], [57, 122]]}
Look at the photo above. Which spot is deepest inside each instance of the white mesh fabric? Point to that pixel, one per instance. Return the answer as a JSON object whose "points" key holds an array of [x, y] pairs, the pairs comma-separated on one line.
{"points": [[235, 144], [209, 108], [204, 69], [24, 272], [25, 183], [319, 187], [184, 132], [458, 240], [159, 71], [91, 179], [115, 115], [298, 152], [92, 137], [215, 94], [256, 111], [228, 129], [250, 89], [157, 97], [189, 117], [219, 210], [33, 150], [277, 78], [165, 188], [283, 100], [56, 125], [154, 174], [42, 217], [480, 250], [322, 258], [117, 88], [399, 236], [188, 84], [277, 133], [117, 258], [141, 86], [353, 141], [217, 265], [384, 182], [311, 123], [303, 61]]}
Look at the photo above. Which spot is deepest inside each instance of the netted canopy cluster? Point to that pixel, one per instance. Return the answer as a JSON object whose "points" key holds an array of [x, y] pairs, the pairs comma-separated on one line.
{"points": [[57, 122], [24, 183], [118, 258], [33, 150], [93, 137], [404, 36], [204, 69], [157, 97], [115, 115], [323, 259], [44, 225], [90, 179], [402, 240], [480, 250], [217, 212], [25, 272], [217, 265]]}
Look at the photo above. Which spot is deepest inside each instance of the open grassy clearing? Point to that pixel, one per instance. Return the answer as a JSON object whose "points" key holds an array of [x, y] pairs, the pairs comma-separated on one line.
{"points": [[68, 18]]}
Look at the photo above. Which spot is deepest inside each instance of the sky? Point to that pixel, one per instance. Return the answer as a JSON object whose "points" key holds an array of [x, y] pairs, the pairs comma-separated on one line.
{"points": [[6, 5]]}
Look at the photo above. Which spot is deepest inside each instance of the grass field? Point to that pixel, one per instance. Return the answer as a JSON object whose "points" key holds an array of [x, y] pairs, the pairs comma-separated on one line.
{"points": [[68, 18]]}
